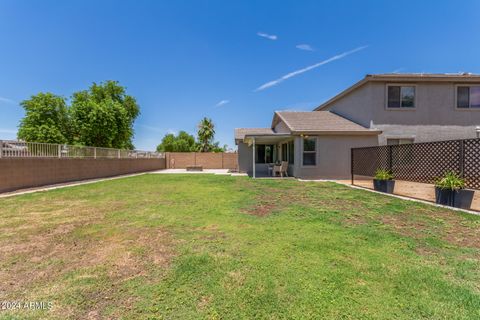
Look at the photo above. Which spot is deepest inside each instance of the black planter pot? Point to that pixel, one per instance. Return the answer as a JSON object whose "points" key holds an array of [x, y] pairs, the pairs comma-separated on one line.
{"points": [[384, 185], [455, 198]]}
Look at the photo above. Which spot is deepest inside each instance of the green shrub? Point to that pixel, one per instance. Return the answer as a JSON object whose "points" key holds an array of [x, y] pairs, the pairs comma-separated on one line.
{"points": [[383, 174], [450, 181]]}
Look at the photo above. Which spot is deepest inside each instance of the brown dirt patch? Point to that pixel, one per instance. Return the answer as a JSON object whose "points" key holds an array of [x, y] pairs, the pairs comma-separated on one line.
{"points": [[319, 197], [269, 199], [463, 237], [237, 278], [445, 225], [261, 209], [405, 226], [204, 302], [37, 265], [266, 200], [356, 220], [211, 232], [426, 251]]}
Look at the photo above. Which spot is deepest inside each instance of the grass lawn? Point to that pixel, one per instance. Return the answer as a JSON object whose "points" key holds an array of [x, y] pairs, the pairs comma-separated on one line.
{"points": [[219, 247]]}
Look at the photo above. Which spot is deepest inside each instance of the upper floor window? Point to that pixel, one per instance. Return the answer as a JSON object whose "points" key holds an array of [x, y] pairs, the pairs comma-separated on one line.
{"points": [[468, 97], [309, 152], [400, 97]]}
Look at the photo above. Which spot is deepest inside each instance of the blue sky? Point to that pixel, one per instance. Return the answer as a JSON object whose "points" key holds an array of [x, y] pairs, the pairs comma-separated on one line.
{"points": [[184, 60]]}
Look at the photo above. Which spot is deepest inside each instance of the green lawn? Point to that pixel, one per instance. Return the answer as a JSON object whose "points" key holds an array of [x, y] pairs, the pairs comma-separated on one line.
{"points": [[220, 247]]}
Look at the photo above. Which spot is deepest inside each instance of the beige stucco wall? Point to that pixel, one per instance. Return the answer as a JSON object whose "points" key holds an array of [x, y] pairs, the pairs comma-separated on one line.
{"points": [[208, 160], [333, 156], [244, 158], [425, 133], [434, 117], [281, 127], [19, 173]]}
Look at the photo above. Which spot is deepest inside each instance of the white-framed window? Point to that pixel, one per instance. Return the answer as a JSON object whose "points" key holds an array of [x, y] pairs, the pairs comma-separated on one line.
{"points": [[400, 96], [309, 151], [468, 97]]}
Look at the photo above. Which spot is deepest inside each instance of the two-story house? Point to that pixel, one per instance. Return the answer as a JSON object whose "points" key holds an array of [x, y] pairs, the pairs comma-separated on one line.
{"points": [[380, 109]]}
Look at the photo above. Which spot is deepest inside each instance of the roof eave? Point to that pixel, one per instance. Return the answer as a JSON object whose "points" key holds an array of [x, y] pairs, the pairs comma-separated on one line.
{"points": [[267, 135], [424, 77], [340, 132], [259, 136], [343, 93], [277, 115]]}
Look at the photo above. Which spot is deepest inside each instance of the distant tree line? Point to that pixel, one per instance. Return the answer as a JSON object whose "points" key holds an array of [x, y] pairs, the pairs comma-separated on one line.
{"points": [[184, 142], [101, 116]]}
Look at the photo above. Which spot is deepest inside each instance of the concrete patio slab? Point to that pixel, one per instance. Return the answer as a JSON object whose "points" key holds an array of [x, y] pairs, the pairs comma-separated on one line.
{"points": [[238, 174]]}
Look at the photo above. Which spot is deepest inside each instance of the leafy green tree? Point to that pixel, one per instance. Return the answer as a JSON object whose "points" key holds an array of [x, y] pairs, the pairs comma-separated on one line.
{"points": [[205, 134], [46, 119], [215, 147], [183, 142], [103, 116]]}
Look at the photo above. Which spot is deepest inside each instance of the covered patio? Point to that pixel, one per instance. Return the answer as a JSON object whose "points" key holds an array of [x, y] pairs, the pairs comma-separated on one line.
{"points": [[269, 150]]}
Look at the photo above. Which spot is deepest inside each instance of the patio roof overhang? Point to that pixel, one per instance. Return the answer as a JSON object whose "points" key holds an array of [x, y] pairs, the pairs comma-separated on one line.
{"points": [[267, 138]]}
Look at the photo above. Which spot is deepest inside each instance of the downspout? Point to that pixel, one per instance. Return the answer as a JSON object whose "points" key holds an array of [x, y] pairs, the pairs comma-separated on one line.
{"points": [[253, 158]]}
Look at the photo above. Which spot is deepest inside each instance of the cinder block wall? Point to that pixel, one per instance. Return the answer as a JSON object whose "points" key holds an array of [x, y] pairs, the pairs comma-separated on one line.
{"points": [[19, 173], [208, 160]]}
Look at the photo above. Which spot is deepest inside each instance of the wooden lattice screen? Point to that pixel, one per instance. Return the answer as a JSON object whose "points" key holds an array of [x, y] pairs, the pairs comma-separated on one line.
{"points": [[421, 162]]}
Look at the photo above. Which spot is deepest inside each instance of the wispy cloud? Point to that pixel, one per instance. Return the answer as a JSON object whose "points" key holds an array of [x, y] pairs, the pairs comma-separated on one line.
{"points": [[313, 66], [221, 103], [266, 35], [398, 70], [151, 128], [6, 100], [305, 47]]}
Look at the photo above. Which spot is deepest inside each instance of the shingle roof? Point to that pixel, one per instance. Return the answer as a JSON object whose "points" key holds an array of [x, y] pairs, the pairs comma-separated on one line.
{"points": [[309, 122], [241, 132], [319, 121]]}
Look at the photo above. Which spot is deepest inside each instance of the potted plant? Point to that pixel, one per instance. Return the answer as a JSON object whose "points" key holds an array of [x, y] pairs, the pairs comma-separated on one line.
{"points": [[383, 181], [450, 191]]}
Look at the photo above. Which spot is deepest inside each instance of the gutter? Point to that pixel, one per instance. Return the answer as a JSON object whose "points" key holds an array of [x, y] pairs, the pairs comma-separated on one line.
{"points": [[340, 133], [268, 135]]}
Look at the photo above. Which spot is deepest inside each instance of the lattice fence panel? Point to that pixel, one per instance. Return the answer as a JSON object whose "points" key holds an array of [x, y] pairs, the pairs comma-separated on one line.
{"points": [[422, 162], [472, 163], [368, 160]]}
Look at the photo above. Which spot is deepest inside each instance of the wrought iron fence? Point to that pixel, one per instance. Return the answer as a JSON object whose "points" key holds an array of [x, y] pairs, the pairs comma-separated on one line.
{"points": [[421, 162], [21, 149]]}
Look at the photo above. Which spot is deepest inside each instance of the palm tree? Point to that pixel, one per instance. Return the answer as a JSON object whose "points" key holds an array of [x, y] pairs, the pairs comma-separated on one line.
{"points": [[206, 132]]}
